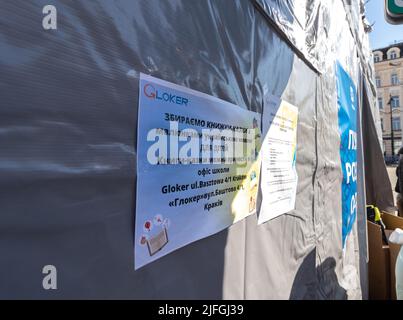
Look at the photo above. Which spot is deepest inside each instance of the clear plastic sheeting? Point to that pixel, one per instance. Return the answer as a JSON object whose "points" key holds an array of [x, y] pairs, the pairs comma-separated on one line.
{"points": [[303, 23], [68, 125], [311, 28]]}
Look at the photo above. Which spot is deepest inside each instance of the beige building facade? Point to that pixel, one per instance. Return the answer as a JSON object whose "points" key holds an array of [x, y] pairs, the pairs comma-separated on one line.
{"points": [[389, 82]]}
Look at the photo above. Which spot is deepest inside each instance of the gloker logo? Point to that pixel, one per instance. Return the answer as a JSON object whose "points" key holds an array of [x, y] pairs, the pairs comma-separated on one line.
{"points": [[150, 92]]}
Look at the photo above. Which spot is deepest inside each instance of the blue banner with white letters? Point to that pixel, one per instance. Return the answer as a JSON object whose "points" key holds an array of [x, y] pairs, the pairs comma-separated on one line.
{"points": [[347, 115]]}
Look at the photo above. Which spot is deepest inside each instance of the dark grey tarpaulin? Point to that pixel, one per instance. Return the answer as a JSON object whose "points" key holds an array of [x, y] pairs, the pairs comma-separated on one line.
{"points": [[68, 123]]}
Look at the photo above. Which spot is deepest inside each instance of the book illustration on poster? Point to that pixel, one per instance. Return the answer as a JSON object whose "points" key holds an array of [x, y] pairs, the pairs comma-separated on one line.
{"points": [[156, 234]]}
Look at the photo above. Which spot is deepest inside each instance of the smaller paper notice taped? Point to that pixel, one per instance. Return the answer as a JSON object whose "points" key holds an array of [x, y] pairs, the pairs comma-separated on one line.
{"points": [[278, 154]]}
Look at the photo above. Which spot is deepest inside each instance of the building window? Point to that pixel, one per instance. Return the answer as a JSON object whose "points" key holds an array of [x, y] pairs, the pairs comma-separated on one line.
{"points": [[382, 125], [396, 123], [376, 58], [380, 103], [378, 81], [394, 79], [395, 102], [393, 54]]}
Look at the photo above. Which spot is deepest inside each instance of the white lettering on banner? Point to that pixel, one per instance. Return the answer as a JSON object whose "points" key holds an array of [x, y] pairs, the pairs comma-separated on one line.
{"points": [[351, 170], [347, 124], [351, 167], [352, 140], [353, 204]]}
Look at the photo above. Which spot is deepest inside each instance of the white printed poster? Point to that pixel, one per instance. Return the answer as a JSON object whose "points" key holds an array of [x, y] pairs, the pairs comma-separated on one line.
{"points": [[278, 154], [198, 167]]}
